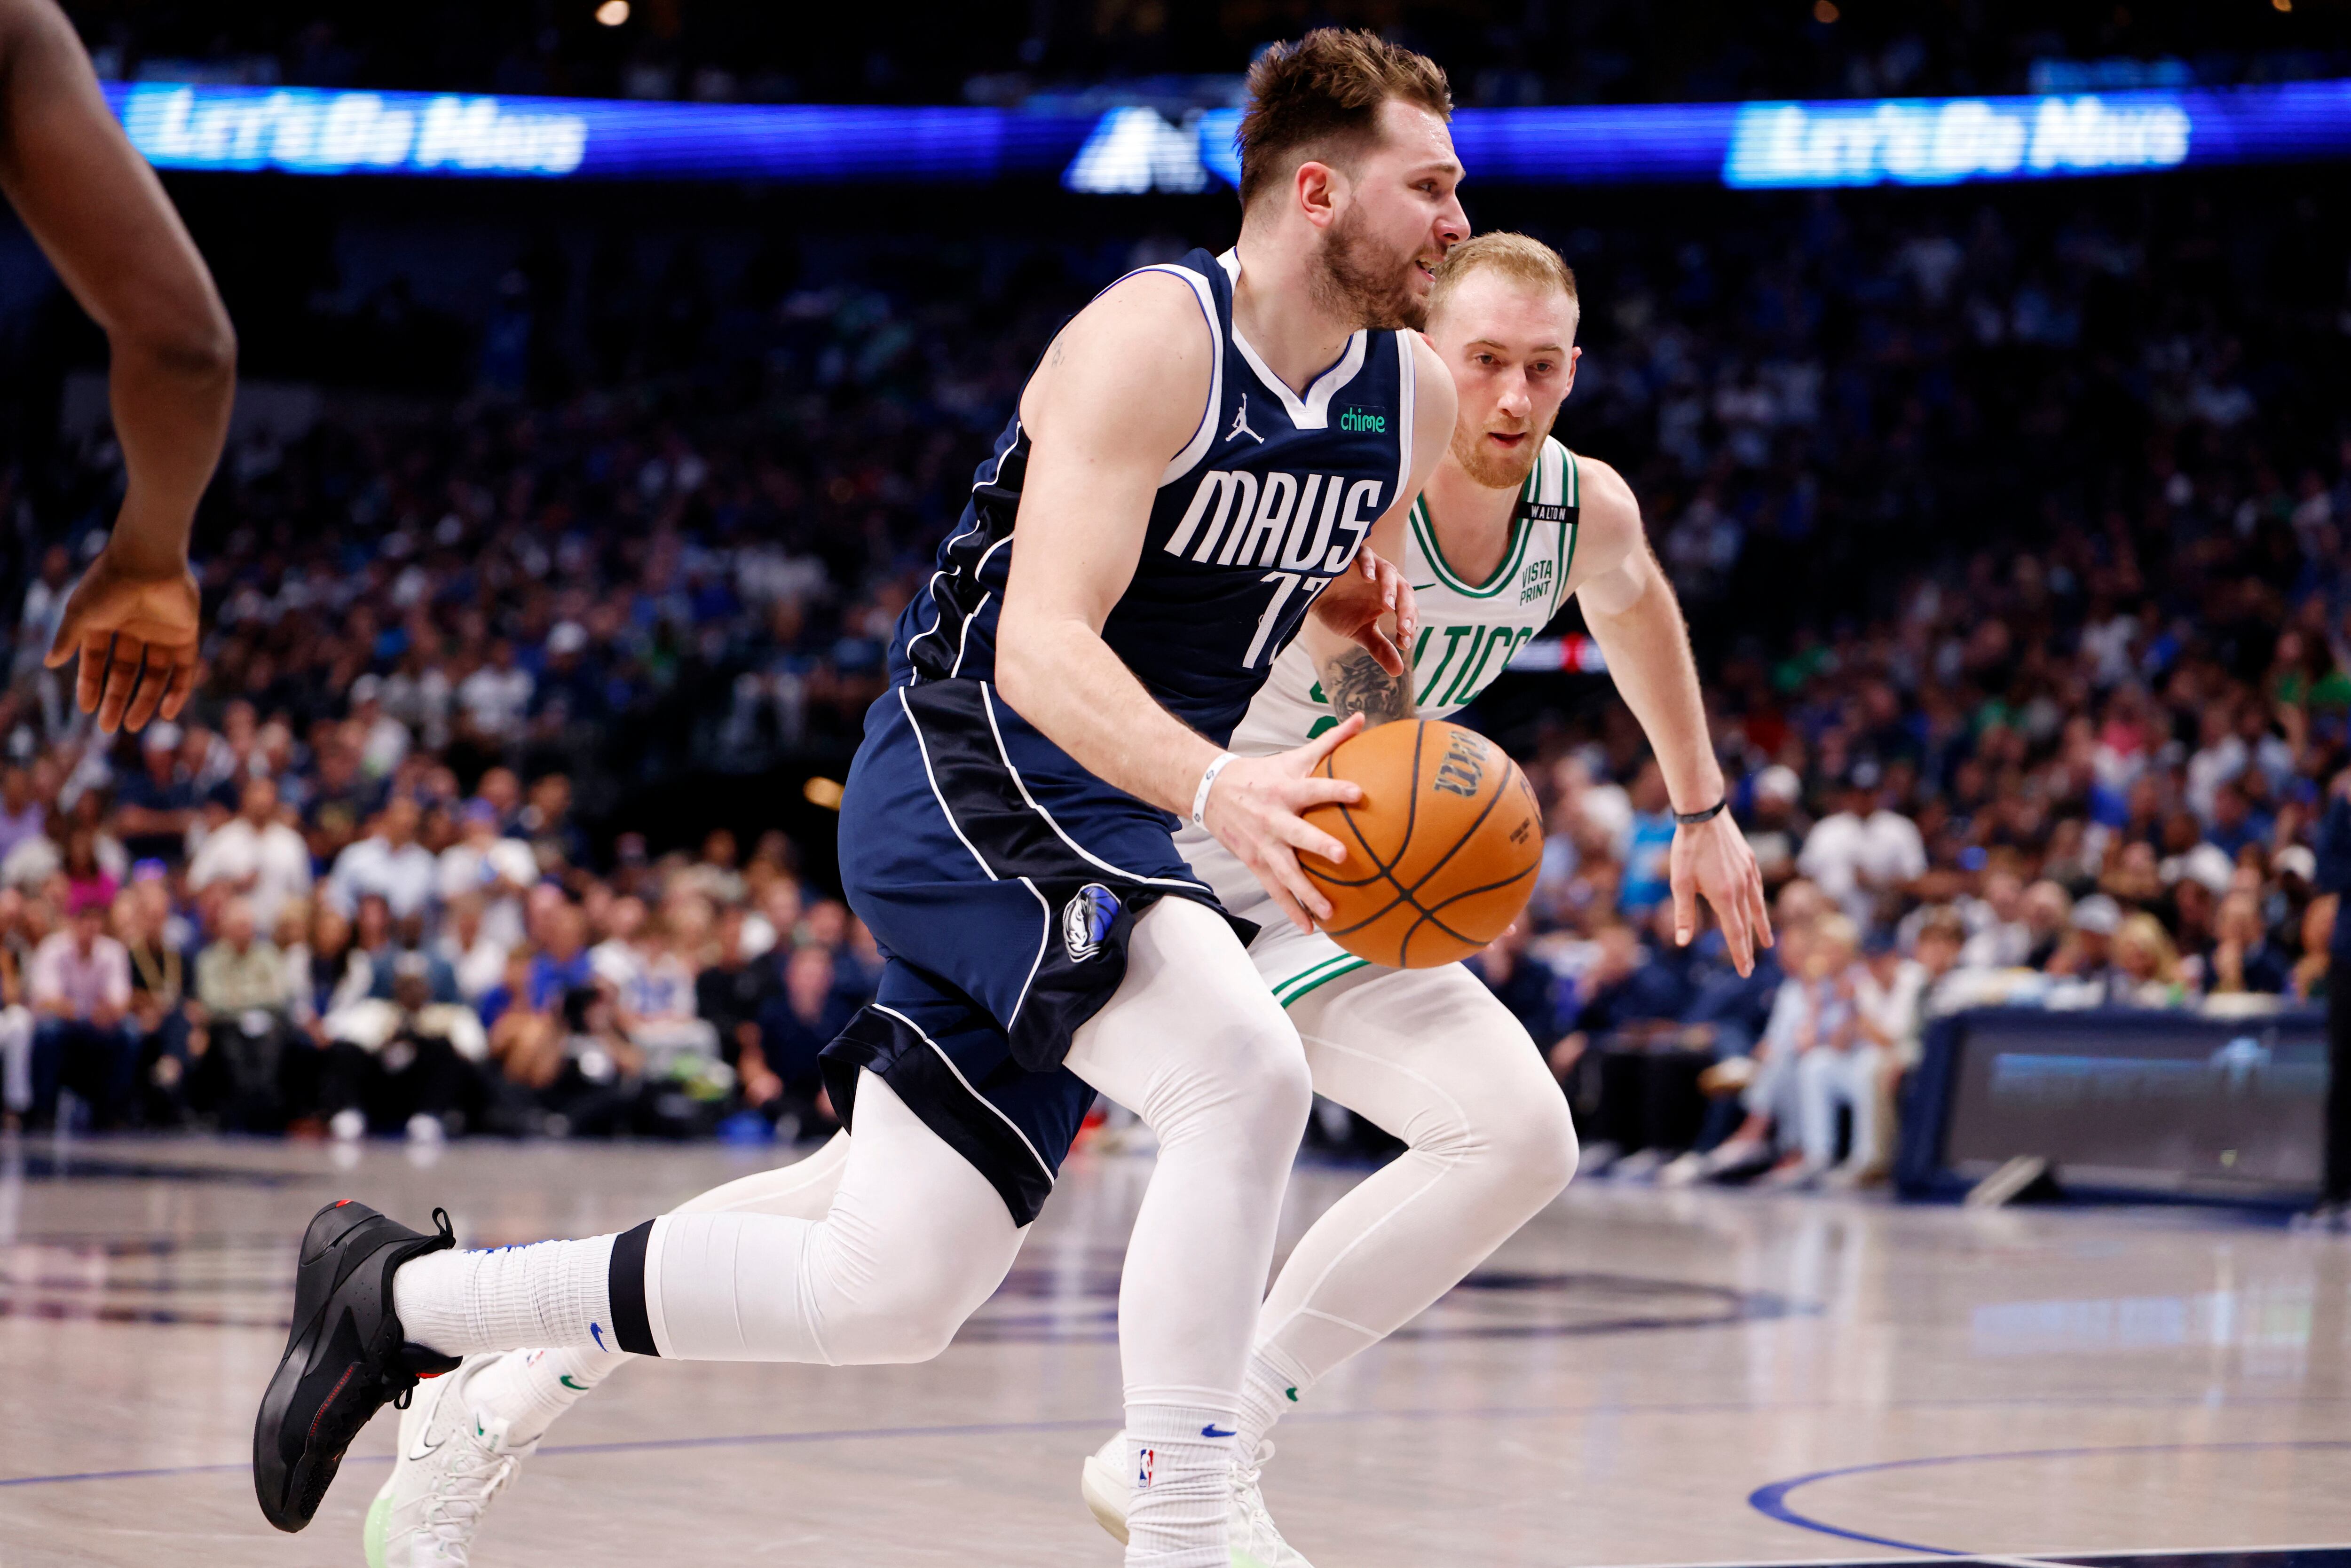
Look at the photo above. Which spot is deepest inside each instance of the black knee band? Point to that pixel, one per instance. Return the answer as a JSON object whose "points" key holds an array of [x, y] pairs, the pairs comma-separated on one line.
{"points": [[625, 1283]]}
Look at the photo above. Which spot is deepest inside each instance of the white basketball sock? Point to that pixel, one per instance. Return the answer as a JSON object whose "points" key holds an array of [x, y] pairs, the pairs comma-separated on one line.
{"points": [[552, 1294], [1181, 1475], [530, 1388], [1272, 1386]]}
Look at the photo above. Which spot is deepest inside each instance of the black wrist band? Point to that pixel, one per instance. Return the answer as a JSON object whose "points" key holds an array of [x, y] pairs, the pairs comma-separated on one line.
{"points": [[1692, 819]]}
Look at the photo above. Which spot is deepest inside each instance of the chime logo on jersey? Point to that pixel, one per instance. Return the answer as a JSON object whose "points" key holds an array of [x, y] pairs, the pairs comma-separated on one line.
{"points": [[1373, 419], [1086, 919], [1303, 523]]}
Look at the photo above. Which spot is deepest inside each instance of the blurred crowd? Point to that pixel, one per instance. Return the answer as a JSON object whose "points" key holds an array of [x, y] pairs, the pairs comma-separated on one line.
{"points": [[2011, 533], [231, 936]]}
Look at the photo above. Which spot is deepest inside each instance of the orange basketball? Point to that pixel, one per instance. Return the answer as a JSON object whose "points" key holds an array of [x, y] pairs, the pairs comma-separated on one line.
{"points": [[1441, 851]]}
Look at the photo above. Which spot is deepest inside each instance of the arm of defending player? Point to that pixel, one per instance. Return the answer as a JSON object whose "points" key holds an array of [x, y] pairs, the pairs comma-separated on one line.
{"points": [[1360, 635], [1120, 394], [102, 217], [1636, 621]]}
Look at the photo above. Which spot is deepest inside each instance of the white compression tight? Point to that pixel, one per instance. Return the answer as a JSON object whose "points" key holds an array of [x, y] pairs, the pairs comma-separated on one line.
{"points": [[1432, 1057], [1429, 1055], [915, 1238]]}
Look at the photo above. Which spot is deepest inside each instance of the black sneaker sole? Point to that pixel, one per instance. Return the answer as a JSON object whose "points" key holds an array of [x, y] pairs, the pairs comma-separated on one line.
{"points": [[345, 1358]]}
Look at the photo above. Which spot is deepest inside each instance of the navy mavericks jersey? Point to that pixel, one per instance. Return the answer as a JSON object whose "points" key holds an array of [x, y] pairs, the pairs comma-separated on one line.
{"points": [[1269, 501]]}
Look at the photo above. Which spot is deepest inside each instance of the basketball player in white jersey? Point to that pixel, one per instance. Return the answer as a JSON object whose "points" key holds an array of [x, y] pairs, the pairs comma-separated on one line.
{"points": [[1509, 526]]}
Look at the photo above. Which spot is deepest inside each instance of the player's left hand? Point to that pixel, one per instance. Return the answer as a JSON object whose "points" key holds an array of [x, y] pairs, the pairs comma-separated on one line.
{"points": [[1357, 600], [1712, 858], [135, 626]]}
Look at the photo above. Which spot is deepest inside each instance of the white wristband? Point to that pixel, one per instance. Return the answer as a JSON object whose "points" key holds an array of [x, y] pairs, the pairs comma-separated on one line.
{"points": [[1200, 796]]}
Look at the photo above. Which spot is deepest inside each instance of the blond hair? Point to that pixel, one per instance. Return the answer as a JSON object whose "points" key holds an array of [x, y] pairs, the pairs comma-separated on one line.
{"points": [[1320, 99], [1519, 257]]}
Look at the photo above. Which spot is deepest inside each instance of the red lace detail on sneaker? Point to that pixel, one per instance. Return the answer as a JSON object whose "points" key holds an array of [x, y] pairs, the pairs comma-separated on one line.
{"points": [[328, 1402]]}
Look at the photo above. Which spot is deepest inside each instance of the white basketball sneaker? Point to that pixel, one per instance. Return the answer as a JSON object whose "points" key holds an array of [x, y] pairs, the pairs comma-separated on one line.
{"points": [[1255, 1540], [452, 1460]]}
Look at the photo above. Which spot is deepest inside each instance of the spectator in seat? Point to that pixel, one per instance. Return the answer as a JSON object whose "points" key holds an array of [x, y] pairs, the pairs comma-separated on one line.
{"points": [[732, 991], [388, 864], [80, 996], [16, 1022], [154, 807], [159, 992], [485, 864], [800, 1020], [2242, 958], [1861, 851], [245, 1075], [404, 1063], [2146, 966], [22, 813], [257, 854]]}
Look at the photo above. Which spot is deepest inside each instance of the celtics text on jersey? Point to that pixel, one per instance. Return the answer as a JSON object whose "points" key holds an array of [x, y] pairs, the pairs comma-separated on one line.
{"points": [[1467, 631]]}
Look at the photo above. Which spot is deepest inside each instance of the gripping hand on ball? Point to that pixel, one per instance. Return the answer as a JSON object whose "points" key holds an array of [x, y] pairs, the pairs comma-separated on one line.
{"points": [[1254, 811]]}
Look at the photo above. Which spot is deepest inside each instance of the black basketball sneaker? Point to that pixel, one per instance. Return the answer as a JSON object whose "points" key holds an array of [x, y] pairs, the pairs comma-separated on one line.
{"points": [[346, 1358]]}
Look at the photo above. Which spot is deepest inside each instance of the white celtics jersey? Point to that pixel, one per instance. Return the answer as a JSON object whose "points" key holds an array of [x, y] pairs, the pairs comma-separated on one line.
{"points": [[1467, 631]]}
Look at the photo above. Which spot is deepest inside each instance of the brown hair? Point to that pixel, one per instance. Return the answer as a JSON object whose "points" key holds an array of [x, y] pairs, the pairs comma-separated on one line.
{"points": [[1514, 256], [1320, 98]]}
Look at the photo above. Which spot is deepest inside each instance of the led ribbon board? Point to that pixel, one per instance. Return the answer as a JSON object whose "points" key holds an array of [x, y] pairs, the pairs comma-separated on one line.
{"points": [[1132, 150], [303, 130]]}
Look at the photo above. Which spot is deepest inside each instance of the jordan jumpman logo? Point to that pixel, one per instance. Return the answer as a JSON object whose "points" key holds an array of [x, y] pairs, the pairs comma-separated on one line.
{"points": [[1241, 425]]}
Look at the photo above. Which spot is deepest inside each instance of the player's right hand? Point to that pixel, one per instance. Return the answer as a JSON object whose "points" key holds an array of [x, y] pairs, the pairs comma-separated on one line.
{"points": [[1254, 811], [135, 627]]}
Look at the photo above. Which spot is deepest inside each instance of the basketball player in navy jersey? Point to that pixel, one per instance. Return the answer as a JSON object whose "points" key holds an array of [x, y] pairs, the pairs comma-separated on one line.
{"points": [[1206, 462], [102, 219]]}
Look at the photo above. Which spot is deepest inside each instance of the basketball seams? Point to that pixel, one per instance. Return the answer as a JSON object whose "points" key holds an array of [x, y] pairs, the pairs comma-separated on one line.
{"points": [[1386, 868], [1428, 915]]}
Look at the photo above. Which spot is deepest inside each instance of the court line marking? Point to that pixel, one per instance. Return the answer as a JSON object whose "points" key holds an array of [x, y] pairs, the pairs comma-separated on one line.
{"points": [[1771, 1500], [2056, 1560], [1485, 1413]]}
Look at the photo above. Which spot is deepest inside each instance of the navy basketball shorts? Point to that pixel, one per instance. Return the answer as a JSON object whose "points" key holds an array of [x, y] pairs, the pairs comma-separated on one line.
{"points": [[1002, 882]]}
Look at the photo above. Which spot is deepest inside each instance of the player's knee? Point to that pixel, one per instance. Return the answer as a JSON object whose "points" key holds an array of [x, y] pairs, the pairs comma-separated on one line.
{"points": [[912, 1323], [1242, 1076], [1534, 1146]]}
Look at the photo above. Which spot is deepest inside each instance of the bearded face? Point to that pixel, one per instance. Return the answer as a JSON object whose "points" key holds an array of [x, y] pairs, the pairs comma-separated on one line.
{"points": [[1493, 465], [1358, 277]]}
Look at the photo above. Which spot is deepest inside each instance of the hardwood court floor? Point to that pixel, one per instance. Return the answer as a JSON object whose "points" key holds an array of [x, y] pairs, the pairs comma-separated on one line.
{"points": [[1640, 1377]]}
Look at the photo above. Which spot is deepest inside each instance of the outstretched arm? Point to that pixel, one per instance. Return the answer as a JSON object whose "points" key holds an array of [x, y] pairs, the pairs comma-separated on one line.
{"points": [[102, 217], [1636, 621]]}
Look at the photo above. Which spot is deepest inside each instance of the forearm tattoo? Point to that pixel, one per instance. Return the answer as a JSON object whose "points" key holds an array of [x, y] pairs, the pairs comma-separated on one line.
{"points": [[1354, 683]]}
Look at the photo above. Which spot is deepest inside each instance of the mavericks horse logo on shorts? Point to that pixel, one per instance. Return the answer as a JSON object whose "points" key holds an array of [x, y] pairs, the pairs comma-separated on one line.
{"points": [[1085, 921]]}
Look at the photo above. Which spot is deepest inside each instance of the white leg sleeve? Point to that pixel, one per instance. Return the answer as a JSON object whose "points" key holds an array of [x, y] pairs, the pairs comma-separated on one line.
{"points": [[1195, 1045], [1431, 1056], [914, 1239], [802, 1190]]}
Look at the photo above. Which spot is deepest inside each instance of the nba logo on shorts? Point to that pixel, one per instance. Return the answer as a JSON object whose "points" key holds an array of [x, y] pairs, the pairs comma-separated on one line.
{"points": [[1085, 921], [1143, 1468]]}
